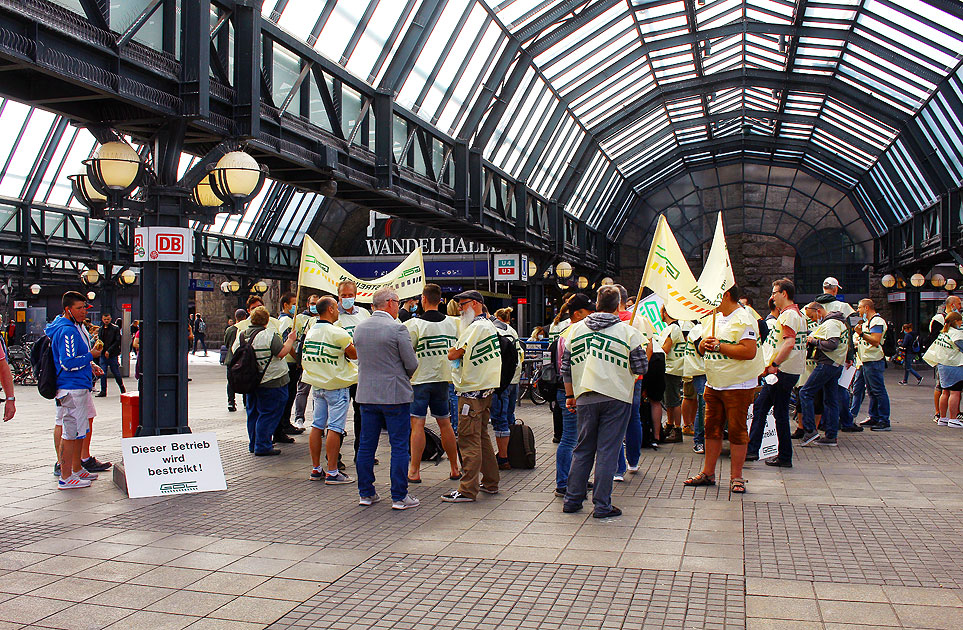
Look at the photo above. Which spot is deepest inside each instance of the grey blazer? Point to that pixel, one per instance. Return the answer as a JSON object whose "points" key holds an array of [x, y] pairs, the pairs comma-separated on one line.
{"points": [[386, 361]]}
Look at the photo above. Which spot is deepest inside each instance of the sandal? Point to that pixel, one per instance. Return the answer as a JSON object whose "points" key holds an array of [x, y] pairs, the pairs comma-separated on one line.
{"points": [[701, 479], [737, 485]]}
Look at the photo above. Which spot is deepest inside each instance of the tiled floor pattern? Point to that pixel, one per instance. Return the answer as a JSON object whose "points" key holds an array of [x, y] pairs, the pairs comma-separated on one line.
{"points": [[15, 534], [854, 544], [414, 591], [884, 505]]}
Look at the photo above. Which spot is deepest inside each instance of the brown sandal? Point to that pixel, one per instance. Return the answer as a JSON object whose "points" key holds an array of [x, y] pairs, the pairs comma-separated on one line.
{"points": [[701, 479], [737, 485]]}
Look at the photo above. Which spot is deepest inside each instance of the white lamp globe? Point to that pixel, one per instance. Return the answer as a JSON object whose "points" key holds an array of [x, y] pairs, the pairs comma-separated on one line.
{"points": [[91, 295], [235, 286], [237, 174], [532, 269], [128, 277], [35, 289], [115, 165], [90, 276], [204, 195], [563, 269], [888, 281], [606, 281], [917, 280], [938, 280], [950, 284], [582, 282]]}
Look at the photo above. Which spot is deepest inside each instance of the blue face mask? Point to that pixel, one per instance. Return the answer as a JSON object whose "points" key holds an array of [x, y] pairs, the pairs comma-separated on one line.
{"points": [[313, 309], [347, 303]]}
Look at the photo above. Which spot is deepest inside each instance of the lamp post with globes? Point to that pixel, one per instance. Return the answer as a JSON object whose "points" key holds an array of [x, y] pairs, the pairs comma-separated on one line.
{"points": [[116, 182], [913, 289]]}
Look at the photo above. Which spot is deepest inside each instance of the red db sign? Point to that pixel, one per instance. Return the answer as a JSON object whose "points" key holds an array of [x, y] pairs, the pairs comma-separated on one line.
{"points": [[156, 244]]}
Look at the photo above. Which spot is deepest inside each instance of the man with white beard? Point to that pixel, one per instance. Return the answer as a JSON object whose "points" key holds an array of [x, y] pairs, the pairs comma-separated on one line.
{"points": [[476, 371]]}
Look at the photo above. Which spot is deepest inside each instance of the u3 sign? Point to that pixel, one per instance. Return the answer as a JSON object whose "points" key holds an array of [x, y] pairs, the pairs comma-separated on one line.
{"points": [[163, 244]]}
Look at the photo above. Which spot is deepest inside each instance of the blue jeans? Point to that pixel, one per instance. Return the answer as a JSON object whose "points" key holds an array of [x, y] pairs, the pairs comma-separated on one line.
{"points": [[849, 404], [699, 383], [264, 409], [775, 397], [453, 407], [871, 377], [601, 427], [397, 420], [824, 377], [563, 454], [632, 449], [503, 411], [908, 367], [110, 365]]}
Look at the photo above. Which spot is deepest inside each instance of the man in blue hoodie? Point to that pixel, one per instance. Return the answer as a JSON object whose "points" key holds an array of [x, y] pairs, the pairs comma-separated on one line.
{"points": [[76, 370]]}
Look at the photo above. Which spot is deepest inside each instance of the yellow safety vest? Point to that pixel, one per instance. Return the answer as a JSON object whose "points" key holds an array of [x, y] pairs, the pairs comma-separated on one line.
{"points": [[600, 360], [722, 371], [481, 366], [323, 360], [431, 341]]}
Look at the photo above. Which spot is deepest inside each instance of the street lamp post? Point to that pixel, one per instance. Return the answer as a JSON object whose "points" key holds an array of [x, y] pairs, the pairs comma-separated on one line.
{"points": [[116, 181]]}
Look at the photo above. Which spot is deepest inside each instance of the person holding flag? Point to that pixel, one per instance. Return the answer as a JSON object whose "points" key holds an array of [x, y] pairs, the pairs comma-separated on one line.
{"points": [[733, 364]]}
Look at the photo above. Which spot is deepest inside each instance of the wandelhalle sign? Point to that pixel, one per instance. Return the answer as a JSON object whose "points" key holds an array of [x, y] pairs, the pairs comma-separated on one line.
{"points": [[172, 464]]}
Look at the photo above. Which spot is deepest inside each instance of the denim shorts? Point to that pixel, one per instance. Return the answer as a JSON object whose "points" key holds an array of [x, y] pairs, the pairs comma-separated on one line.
{"points": [[433, 396], [330, 408]]}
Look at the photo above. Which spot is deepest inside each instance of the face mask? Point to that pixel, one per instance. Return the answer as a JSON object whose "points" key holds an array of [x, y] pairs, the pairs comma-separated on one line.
{"points": [[292, 310], [414, 308], [347, 303], [313, 309]]}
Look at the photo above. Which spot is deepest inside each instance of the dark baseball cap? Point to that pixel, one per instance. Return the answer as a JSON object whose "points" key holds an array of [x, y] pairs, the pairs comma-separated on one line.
{"points": [[469, 295], [579, 302]]}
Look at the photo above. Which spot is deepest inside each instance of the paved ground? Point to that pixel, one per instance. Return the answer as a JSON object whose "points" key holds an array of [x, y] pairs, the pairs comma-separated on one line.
{"points": [[856, 537]]}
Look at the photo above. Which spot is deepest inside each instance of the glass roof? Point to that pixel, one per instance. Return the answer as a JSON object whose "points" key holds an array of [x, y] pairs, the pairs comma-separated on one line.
{"points": [[38, 150], [657, 86]]}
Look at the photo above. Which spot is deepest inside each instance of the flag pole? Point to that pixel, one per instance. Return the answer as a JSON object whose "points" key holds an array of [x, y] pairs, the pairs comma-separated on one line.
{"points": [[648, 265]]}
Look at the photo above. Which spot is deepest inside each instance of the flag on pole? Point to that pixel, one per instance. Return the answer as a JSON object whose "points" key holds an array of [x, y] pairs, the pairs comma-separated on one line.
{"points": [[667, 273], [320, 271]]}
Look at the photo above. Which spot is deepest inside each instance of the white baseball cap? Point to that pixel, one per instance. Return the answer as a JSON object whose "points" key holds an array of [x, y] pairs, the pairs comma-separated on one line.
{"points": [[831, 282]]}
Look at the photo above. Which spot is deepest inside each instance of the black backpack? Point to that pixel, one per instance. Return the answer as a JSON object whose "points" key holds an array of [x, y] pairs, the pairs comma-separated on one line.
{"points": [[44, 367], [509, 351], [549, 380], [521, 446], [433, 449], [243, 373]]}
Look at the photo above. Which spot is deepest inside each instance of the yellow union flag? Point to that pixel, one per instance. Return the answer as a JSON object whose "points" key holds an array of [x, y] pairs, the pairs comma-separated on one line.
{"points": [[667, 273], [320, 271]]}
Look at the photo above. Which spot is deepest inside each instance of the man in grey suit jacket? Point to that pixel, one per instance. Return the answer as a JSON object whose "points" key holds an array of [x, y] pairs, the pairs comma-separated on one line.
{"points": [[386, 362]]}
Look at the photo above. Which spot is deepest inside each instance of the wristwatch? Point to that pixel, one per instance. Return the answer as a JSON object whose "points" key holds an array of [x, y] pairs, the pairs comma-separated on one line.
{"points": [[775, 365]]}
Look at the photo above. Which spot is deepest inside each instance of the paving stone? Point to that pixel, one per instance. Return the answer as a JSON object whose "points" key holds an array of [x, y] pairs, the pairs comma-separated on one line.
{"points": [[85, 617]]}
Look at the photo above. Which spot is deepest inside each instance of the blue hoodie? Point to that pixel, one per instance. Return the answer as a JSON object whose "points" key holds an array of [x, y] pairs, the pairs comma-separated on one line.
{"points": [[71, 352]]}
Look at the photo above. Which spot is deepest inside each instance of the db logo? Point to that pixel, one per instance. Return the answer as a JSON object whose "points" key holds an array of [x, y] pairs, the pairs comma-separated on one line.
{"points": [[168, 244]]}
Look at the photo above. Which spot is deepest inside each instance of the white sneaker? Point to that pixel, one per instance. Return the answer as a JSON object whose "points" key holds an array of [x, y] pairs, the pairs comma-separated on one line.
{"points": [[633, 469], [369, 500], [72, 482], [618, 478], [408, 502], [298, 423], [954, 423], [83, 474], [942, 422]]}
